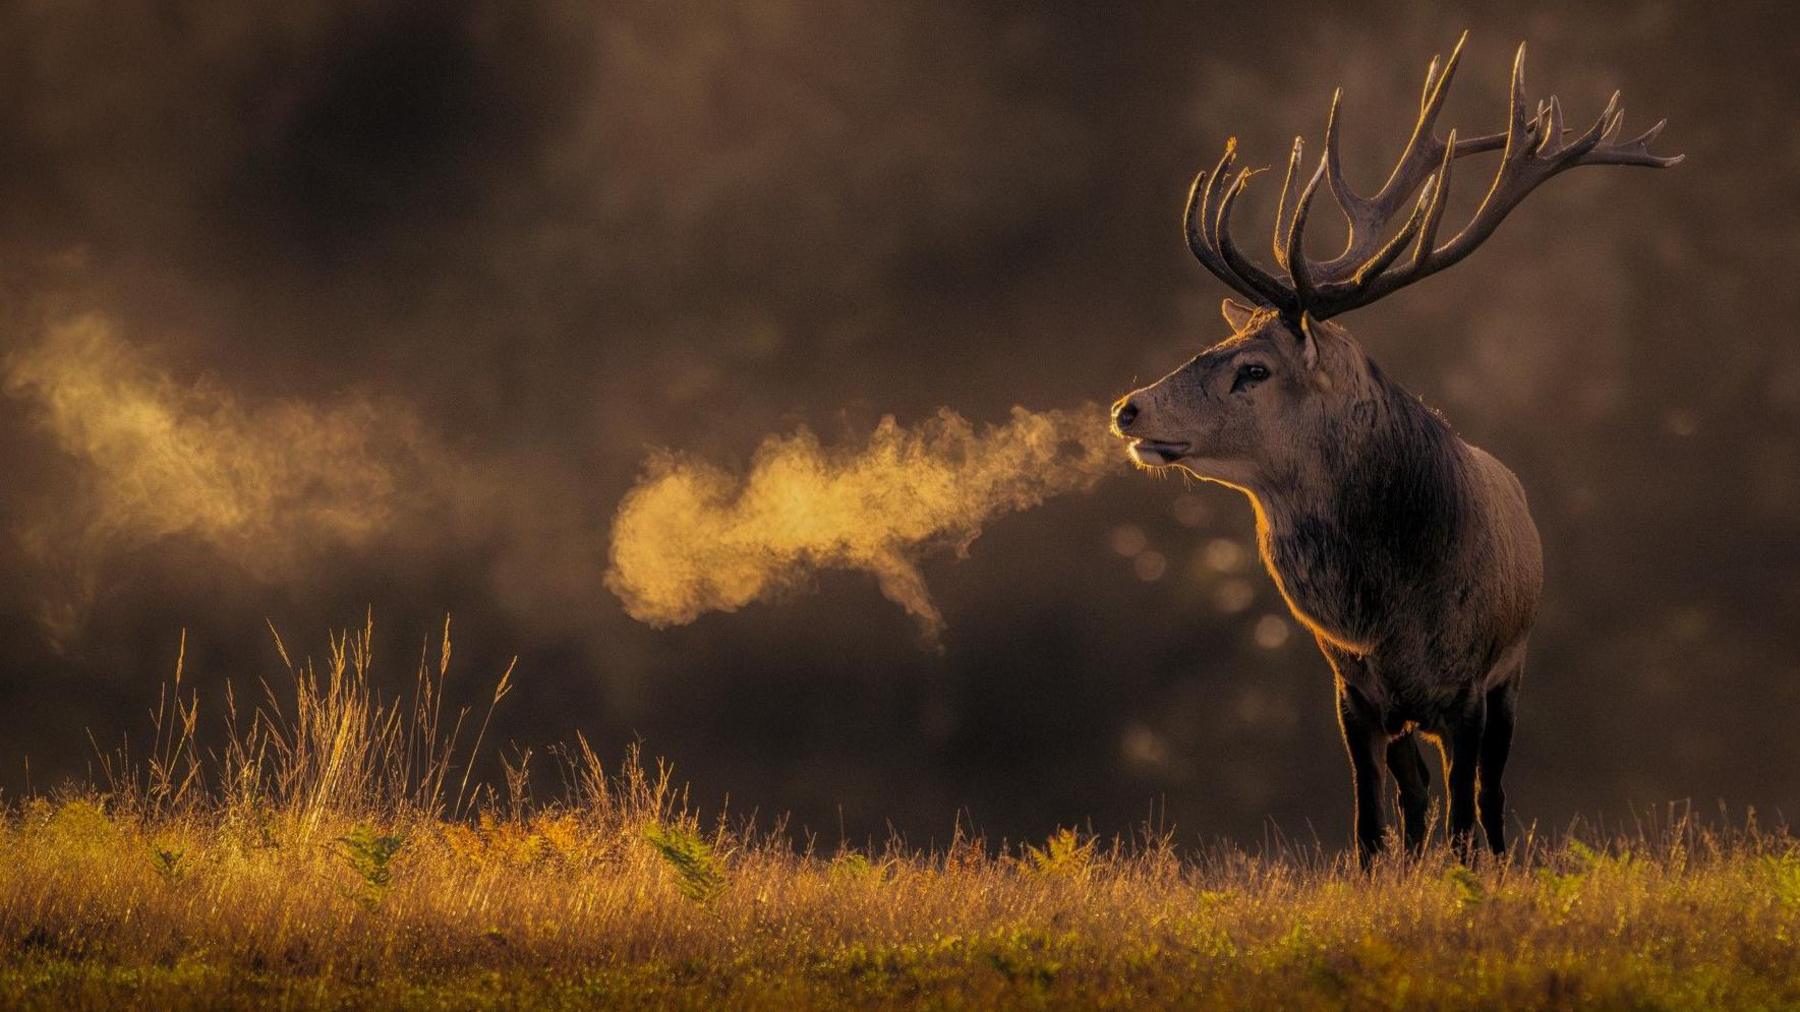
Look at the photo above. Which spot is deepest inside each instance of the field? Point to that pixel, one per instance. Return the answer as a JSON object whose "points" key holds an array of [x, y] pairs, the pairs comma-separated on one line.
{"points": [[333, 853]]}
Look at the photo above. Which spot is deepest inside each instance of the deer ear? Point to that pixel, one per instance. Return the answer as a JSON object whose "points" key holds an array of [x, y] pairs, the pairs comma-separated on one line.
{"points": [[1309, 340], [1237, 315]]}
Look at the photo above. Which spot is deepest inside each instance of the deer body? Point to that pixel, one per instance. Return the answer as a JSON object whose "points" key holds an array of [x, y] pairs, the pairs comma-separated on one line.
{"points": [[1410, 554], [1394, 540]]}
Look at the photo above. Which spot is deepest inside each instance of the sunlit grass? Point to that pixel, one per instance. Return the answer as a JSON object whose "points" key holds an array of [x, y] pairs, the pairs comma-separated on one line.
{"points": [[334, 852]]}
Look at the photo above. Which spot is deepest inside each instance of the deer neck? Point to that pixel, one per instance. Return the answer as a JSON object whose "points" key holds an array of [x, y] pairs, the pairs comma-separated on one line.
{"points": [[1356, 524]]}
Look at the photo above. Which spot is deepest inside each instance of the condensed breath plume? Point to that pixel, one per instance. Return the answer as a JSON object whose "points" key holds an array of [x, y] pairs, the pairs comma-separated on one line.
{"points": [[691, 537]]}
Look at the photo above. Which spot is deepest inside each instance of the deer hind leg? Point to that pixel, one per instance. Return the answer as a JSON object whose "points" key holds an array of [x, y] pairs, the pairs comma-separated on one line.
{"points": [[1496, 742], [1362, 739], [1414, 781]]}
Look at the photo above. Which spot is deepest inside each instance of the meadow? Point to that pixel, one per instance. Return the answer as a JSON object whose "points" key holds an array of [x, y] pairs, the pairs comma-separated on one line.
{"points": [[332, 850]]}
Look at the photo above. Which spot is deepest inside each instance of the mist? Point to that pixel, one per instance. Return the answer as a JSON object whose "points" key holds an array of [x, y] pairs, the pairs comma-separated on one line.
{"points": [[160, 459]]}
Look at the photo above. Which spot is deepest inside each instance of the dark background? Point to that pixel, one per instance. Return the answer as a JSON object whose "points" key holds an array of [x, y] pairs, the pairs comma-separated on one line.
{"points": [[561, 234]]}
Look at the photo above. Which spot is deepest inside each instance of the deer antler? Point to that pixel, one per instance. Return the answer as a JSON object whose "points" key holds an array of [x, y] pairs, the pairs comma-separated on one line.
{"points": [[1533, 150], [1208, 218]]}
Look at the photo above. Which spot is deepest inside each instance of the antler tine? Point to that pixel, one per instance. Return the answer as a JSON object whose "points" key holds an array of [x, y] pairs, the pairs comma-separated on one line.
{"points": [[1278, 241], [1592, 136], [1516, 124], [1192, 220], [1440, 192], [1210, 196], [1632, 152], [1204, 226], [1194, 216], [1551, 118], [1299, 269], [1533, 152], [1368, 216], [1422, 148], [1334, 166], [1269, 289], [1419, 155]]}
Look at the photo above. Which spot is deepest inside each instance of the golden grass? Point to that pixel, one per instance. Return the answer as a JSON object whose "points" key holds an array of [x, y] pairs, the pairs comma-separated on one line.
{"points": [[332, 853]]}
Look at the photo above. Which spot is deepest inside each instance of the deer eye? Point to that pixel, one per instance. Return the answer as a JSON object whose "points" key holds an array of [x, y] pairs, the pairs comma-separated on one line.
{"points": [[1253, 372]]}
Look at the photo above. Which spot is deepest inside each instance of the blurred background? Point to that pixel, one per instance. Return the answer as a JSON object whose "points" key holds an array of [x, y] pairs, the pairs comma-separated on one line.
{"points": [[433, 279]]}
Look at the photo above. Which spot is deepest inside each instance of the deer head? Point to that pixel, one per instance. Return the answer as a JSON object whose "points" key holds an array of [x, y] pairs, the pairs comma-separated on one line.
{"points": [[1231, 412]]}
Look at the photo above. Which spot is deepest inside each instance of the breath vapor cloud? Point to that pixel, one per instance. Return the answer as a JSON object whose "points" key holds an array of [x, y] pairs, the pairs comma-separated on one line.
{"points": [[692, 538]]}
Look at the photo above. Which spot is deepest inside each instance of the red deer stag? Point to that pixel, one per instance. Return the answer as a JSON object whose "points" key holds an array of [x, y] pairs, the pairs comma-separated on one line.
{"points": [[1410, 554]]}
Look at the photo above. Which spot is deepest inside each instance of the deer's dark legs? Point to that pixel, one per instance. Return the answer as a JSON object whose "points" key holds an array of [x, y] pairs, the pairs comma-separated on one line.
{"points": [[1496, 742], [1414, 781], [1464, 751], [1363, 739]]}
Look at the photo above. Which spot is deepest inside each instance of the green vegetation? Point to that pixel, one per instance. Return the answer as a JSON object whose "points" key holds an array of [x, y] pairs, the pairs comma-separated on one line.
{"points": [[327, 855]]}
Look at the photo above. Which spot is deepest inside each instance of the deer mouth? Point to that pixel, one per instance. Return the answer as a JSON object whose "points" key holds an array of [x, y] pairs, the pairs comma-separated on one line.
{"points": [[1156, 453]]}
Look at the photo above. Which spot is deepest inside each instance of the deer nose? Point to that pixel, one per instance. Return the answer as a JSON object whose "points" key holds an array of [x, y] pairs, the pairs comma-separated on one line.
{"points": [[1124, 413]]}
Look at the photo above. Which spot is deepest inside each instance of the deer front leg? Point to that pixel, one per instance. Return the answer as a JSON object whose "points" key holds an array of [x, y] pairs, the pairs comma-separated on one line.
{"points": [[1364, 741], [1464, 755]]}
